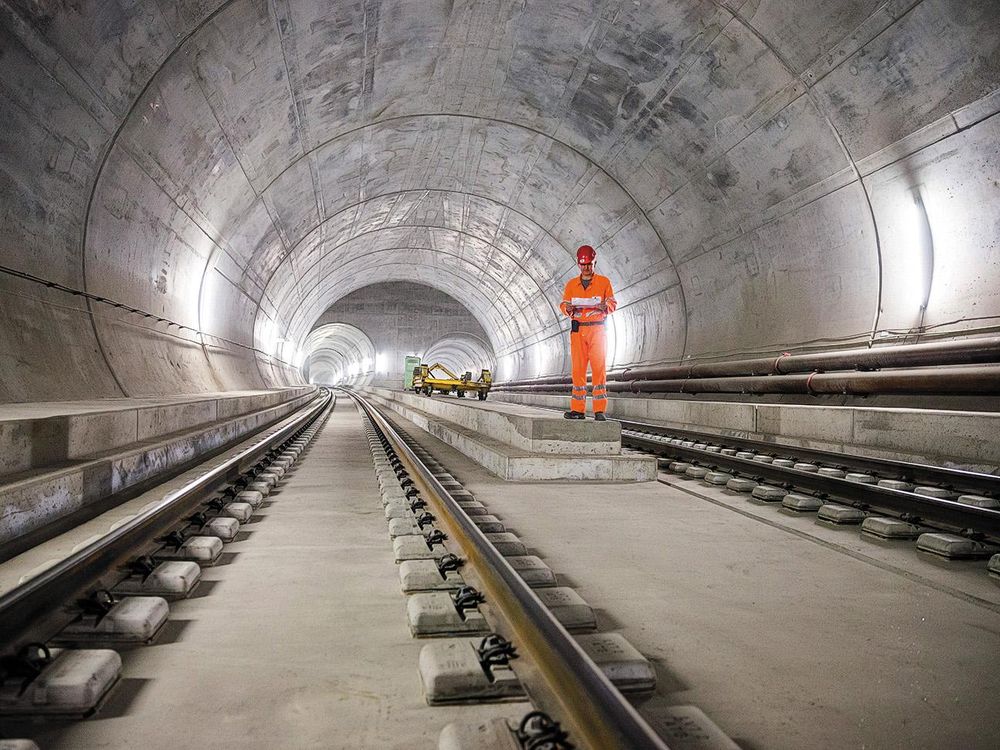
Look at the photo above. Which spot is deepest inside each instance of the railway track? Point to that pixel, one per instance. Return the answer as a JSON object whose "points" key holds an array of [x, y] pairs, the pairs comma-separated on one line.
{"points": [[498, 625], [525, 637], [936, 513], [466, 575], [60, 626], [950, 512]]}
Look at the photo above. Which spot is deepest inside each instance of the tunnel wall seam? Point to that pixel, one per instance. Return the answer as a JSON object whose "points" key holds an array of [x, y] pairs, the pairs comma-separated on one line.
{"points": [[843, 147], [510, 123], [91, 298], [443, 228]]}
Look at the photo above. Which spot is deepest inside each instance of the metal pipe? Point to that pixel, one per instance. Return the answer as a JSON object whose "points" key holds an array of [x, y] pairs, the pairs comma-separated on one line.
{"points": [[965, 352], [972, 351], [967, 380]]}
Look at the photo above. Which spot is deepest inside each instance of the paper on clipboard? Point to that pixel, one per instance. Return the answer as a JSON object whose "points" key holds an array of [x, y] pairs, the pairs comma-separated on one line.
{"points": [[586, 302]]}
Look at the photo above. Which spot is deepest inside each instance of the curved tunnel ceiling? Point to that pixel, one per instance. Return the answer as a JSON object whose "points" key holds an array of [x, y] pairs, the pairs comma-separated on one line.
{"points": [[745, 168]]}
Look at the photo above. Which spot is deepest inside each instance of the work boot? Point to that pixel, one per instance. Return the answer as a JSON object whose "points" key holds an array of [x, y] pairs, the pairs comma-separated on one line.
{"points": [[574, 415], [599, 417]]}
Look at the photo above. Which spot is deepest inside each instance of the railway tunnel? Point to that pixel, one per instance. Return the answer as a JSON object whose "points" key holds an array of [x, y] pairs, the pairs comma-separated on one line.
{"points": [[227, 224]]}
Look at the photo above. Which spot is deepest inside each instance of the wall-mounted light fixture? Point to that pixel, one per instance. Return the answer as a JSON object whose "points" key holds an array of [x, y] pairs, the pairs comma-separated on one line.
{"points": [[921, 253]]}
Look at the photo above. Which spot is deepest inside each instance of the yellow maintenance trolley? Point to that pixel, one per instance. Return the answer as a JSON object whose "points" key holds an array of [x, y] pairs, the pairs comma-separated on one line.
{"points": [[427, 379]]}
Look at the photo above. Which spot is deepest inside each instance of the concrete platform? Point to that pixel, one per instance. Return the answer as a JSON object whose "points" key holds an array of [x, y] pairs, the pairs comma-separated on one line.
{"points": [[526, 427], [39, 435], [952, 438], [58, 459], [519, 443]]}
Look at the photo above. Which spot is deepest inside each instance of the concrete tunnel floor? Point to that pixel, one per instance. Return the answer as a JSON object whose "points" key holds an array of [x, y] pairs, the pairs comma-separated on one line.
{"points": [[786, 633], [299, 639], [785, 637]]}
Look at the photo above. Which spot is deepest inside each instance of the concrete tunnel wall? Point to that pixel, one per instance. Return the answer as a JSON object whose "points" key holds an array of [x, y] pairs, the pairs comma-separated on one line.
{"points": [[214, 175]]}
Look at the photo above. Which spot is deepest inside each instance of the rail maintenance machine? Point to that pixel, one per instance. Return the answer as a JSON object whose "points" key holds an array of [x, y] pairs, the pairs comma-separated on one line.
{"points": [[437, 377]]}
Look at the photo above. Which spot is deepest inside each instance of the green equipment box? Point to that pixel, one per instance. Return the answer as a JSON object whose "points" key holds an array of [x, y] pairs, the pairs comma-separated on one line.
{"points": [[411, 363]]}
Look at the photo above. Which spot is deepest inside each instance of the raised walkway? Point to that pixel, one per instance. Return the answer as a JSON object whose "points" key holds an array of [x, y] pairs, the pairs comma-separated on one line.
{"points": [[522, 443]]}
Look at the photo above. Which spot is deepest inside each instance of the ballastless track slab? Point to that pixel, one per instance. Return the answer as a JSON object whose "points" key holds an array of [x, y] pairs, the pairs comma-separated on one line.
{"points": [[785, 641]]}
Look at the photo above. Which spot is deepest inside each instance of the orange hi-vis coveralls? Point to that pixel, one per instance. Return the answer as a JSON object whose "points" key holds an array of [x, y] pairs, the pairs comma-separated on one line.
{"points": [[587, 340]]}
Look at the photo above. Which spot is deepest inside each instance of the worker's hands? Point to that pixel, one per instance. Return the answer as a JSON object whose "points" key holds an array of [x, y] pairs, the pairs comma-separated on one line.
{"points": [[570, 309]]}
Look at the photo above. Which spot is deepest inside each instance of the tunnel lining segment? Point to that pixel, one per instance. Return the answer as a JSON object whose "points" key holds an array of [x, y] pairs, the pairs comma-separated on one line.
{"points": [[371, 127], [114, 142], [329, 249], [195, 31], [452, 125], [108, 148], [843, 145]]}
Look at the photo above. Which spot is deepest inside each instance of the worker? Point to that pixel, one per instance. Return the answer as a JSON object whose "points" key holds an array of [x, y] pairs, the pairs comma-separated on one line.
{"points": [[587, 301]]}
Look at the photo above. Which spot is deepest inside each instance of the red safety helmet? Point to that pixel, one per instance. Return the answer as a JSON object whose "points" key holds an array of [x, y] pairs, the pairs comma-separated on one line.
{"points": [[585, 254]]}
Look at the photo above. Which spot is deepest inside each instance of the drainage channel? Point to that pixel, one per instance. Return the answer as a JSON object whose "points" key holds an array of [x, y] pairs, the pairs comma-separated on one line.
{"points": [[880, 497], [62, 624], [504, 629]]}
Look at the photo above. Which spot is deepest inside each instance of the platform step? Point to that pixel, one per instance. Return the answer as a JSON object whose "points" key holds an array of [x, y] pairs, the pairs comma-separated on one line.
{"points": [[525, 427], [497, 442]]}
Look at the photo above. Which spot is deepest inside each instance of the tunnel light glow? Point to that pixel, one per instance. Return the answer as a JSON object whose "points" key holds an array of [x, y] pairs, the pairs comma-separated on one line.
{"points": [[268, 337], [611, 340], [920, 250], [550, 358], [542, 358], [506, 367], [281, 350]]}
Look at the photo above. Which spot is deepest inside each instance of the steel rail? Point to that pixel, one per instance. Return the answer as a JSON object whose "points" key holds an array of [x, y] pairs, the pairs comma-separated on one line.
{"points": [[911, 472], [40, 607], [569, 685], [948, 513]]}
